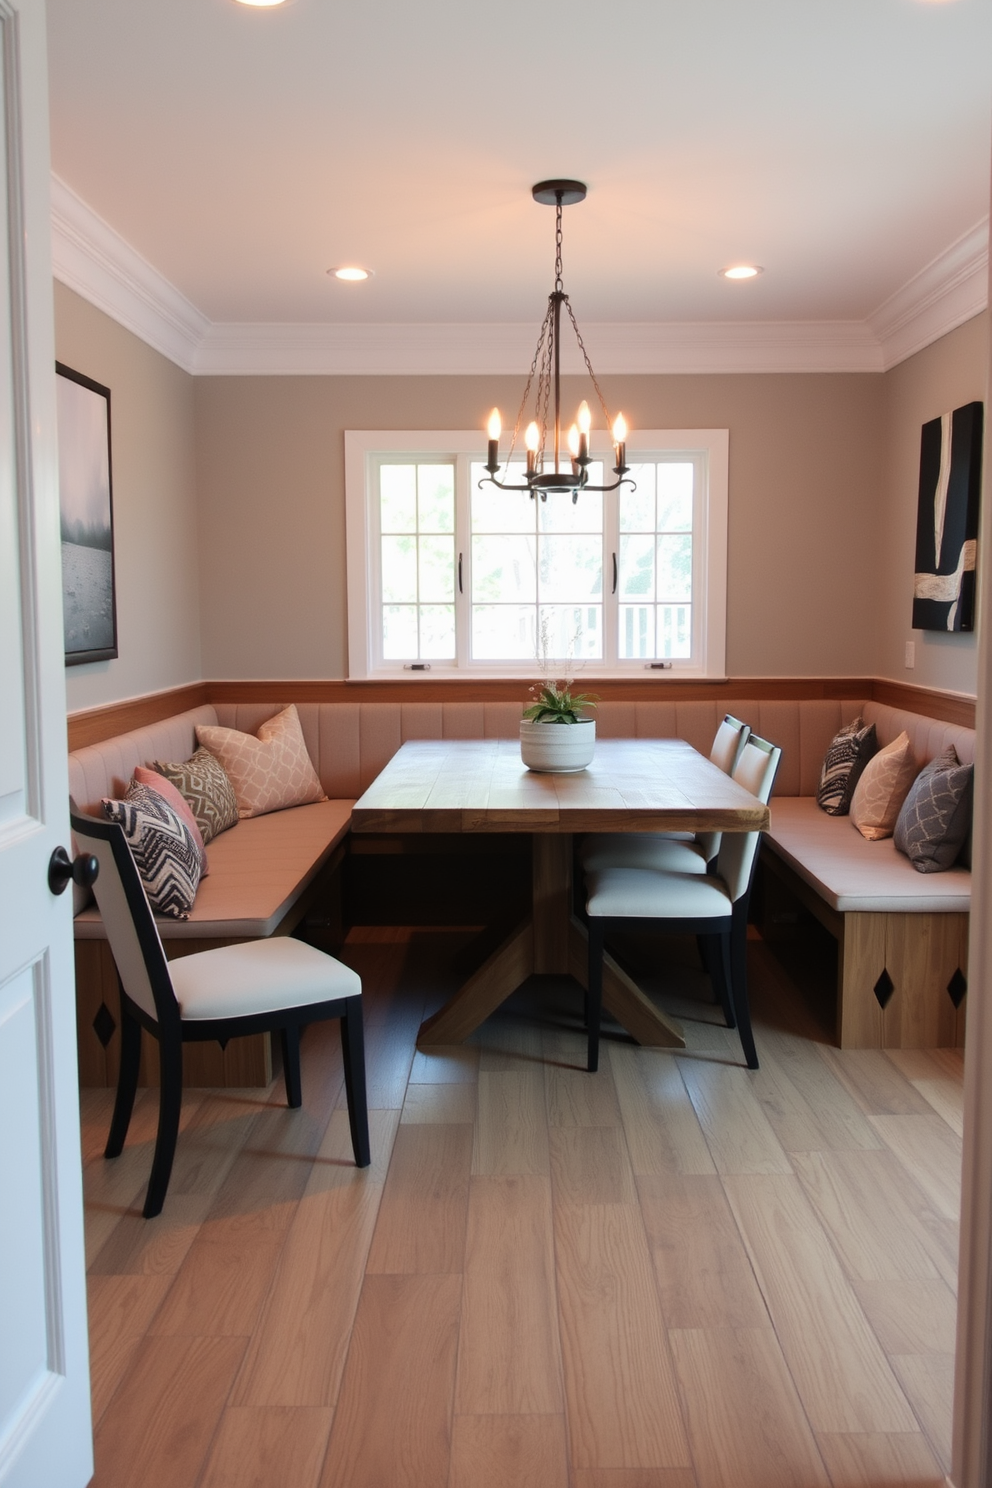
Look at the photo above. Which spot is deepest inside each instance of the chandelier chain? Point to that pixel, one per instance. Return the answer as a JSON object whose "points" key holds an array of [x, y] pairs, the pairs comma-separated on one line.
{"points": [[559, 283], [585, 358]]}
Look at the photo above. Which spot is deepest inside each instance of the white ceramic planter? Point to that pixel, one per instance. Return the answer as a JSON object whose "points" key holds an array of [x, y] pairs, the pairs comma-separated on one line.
{"points": [[557, 748]]}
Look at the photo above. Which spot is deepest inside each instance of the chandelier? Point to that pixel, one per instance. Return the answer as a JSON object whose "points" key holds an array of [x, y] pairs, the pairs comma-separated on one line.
{"points": [[570, 474]]}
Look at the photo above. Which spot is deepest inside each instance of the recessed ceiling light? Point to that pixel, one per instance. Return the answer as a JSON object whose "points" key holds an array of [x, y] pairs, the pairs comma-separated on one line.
{"points": [[741, 271], [351, 272], [265, 3]]}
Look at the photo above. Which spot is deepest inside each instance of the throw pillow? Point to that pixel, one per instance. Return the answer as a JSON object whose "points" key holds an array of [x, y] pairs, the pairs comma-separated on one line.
{"points": [[163, 849], [851, 749], [884, 785], [179, 804], [202, 781], [936, 815], [269, 772]]}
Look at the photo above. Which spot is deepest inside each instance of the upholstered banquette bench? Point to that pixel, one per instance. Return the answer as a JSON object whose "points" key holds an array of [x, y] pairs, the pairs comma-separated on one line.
{"points": [[891, 923]]}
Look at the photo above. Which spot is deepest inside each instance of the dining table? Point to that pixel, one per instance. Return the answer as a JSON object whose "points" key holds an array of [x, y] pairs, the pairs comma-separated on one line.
{"points": [[481, 786]]}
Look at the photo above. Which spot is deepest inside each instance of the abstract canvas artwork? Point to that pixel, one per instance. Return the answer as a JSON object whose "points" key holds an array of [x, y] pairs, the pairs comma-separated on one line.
{"points": [[88, 591], [947, 520]]}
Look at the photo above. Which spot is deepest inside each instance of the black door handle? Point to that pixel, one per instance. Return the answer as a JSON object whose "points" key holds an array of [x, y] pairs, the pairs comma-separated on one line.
{"points": [[82, 872]]}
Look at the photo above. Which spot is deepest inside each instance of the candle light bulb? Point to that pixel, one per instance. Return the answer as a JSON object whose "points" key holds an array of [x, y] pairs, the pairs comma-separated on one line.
{"points": [[573, 441], [584, 418], [619, 429], [532, 438], [495, 426]]}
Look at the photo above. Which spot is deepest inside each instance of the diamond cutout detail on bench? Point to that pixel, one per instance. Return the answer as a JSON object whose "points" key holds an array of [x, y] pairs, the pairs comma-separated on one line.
{"points": [[957, 987], [104, 1024], [884, 988]]}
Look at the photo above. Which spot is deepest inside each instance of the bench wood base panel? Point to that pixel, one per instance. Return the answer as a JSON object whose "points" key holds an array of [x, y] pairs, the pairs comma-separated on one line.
{"points": [[920, 955]]}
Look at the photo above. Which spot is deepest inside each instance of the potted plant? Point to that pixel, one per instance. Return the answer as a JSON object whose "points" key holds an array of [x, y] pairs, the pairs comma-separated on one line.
{"points": [[555, 735]]}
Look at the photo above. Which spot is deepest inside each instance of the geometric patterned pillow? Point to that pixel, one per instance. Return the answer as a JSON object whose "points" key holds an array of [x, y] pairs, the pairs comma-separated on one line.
{"points": [[203, 782], [179, 804], [936, 815], [167, 858], [849, 752], [269, 772]]}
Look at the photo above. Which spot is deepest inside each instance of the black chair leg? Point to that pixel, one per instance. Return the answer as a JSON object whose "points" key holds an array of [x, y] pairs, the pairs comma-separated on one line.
{"points": [[170, 1050], [738, 982], [353, 1054], [703, 947], [594, 994], [718, 963], [289, 1038], [127, 1083]]}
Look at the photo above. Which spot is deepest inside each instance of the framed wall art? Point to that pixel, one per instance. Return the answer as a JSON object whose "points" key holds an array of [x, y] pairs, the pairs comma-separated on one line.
{"points": [[89, 600], [947, 520]]}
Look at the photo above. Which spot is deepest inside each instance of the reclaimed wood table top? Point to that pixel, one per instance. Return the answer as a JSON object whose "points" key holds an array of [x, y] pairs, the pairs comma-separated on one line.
{"points": [[482, 785]]}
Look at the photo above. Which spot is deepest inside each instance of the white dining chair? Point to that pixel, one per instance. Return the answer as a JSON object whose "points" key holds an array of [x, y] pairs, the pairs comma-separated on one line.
{"points": [[276, 985], [711, 906], [681, 852]]}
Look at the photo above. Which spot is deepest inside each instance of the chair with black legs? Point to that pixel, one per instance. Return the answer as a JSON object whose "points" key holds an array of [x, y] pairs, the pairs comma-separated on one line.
{"points": [[276, 985], [711, 906], [681, 852]]}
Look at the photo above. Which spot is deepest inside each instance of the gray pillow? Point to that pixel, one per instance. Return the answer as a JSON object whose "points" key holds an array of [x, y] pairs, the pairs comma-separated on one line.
{"points": [[849, 752], [936, 815]]}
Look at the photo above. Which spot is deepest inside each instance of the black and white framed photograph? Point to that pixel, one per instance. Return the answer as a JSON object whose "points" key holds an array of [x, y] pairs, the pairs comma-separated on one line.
{"points": [[86, 501], [947, 521]]}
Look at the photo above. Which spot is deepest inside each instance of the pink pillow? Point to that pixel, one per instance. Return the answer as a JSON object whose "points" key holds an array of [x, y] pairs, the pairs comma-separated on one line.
{"points": [[269, 772], [884, 785], [179, 804]]}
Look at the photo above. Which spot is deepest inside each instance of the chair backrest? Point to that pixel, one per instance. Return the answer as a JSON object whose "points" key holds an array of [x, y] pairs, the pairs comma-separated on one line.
{"points": [[755, 771], [728, 742], [127, 917]]}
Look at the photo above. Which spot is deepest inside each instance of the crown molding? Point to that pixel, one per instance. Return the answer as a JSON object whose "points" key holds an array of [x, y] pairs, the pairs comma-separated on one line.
{"points": [[464, 350], [90, 257], [952, 288]]}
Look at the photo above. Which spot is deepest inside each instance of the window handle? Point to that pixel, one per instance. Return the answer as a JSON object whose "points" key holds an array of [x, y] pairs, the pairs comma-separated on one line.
{"points": [[460, 589], [614, 573]]}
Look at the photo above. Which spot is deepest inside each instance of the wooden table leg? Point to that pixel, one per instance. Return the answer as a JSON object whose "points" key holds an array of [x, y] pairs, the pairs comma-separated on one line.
{"points": [[550, 941]]}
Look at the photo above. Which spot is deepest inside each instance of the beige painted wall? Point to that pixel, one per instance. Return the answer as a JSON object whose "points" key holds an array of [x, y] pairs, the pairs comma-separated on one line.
{"points": [[270, 464], [249, 471], [155, 515], [951, 372]]}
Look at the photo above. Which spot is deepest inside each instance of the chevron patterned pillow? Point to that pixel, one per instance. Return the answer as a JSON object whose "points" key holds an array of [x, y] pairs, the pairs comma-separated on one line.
{"points": [[850, 750], [162, 845]]}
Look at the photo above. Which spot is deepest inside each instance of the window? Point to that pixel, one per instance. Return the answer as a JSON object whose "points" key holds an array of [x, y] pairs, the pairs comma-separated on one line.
{"points": [[449, 575]]}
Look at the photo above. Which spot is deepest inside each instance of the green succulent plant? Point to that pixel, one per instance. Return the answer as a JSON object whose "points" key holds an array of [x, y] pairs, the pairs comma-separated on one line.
{"points": [[556, 704]]}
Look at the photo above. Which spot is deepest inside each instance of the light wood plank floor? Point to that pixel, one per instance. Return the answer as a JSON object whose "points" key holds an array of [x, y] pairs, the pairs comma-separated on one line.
{"points": [[671, 1274]]}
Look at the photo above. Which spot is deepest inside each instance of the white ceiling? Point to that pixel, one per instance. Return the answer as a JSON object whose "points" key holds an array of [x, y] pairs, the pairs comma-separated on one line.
{"points": [[842, 144]]}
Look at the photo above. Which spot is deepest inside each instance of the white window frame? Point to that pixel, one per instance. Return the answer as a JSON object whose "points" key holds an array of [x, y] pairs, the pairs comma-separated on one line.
{"points": [[709, 599]]}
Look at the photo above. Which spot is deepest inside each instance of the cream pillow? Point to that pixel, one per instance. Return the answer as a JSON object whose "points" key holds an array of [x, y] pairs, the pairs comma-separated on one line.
{"points": [[884, 785], [269, 772]]}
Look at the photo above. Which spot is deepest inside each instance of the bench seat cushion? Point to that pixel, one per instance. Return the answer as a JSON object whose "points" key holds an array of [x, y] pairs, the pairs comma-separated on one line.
{"points": [[257, 870], [850, 873]]}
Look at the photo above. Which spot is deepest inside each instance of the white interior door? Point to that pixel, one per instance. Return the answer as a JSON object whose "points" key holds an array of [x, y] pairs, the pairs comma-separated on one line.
{"points": [[45, 1431]]}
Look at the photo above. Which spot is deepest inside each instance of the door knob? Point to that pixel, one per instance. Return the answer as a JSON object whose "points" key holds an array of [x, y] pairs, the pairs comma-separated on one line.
{"points": [[60, 870]]}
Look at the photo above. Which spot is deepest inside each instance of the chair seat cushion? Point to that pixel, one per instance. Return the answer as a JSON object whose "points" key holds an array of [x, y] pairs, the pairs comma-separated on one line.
{"points": [[651, 894], [260, 976], [678, 854]]}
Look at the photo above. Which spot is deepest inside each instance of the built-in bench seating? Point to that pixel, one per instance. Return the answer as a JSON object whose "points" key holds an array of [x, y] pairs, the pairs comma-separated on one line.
{"points": [[266, 872]]}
